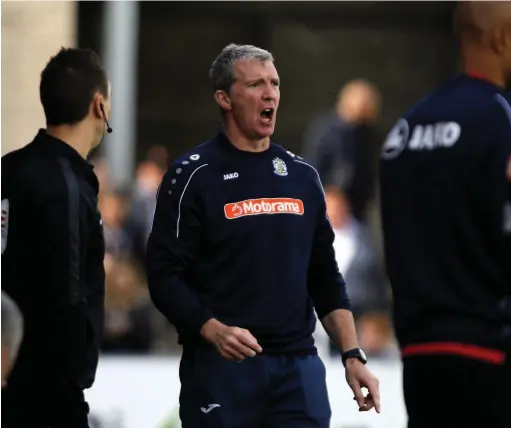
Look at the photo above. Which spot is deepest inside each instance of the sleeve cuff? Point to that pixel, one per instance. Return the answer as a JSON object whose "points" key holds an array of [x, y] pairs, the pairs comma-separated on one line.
{"points": [[197, 320], [331, 302]]}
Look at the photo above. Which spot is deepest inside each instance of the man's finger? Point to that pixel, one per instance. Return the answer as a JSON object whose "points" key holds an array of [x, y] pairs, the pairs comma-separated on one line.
{"points": [[247, 339], [374, 393], [368, 404], [359, 395], [243, 350], [234, 354]]}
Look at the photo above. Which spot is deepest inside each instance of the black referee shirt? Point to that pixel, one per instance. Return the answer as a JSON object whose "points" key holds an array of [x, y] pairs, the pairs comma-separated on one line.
{"points": [[52, 261]]}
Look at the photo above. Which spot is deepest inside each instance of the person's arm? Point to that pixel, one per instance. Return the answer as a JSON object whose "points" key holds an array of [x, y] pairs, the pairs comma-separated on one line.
{"points": [[327, 287], [328, 293], [171, 251], [173, 246], [60, 237]]}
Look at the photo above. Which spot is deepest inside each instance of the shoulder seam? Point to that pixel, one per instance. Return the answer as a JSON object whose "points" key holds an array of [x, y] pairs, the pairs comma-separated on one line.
{"points": [[505, 105], [181, 197]]}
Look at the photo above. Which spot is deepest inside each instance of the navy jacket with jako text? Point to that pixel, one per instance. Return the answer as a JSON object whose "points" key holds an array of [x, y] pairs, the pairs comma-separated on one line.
{"points": [[243, 237]]}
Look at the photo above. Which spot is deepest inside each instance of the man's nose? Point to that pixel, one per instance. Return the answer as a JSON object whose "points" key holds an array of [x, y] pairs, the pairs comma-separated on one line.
{"points": [[270, 93]]}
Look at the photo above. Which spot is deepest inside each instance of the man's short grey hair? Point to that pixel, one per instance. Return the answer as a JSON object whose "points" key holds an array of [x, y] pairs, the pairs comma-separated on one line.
{"points": [[222, 71], [12, 325]]}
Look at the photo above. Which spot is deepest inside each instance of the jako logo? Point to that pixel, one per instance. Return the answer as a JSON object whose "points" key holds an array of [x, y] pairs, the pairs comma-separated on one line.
{"points": [[231, 176], [263, 206]]}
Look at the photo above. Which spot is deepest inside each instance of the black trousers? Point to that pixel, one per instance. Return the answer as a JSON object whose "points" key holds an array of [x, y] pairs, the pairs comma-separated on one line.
{"points": [[44, 406], [451, 392]]}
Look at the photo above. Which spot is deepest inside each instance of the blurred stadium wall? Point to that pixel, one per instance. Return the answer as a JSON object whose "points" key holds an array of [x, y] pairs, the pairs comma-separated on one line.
{"points": [[27, 43]]}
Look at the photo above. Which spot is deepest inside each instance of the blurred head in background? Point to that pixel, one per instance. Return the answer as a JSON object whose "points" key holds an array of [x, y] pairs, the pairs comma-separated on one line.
{"points": [[246, 85], [75, 94], [359, 102], [150, 171], [484, 29], [12, 334], [113, 209]]}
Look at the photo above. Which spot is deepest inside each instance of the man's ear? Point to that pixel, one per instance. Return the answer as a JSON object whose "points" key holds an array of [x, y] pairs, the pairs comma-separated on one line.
{"points": [[97, 101], [223, 100], [499, 38]]}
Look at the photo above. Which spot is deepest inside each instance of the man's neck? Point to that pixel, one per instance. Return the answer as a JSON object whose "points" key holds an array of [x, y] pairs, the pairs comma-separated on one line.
{"points": [[73, 136], [483, 67], [241, 142]]}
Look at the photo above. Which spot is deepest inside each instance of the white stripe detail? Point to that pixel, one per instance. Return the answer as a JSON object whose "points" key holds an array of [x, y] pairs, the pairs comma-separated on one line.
{"points": [[316, 171], [181, 198], [320, 185], [505, 105]]}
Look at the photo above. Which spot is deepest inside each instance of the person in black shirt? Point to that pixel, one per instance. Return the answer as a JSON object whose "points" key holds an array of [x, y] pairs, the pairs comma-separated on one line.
{"points": [[53, 248], [446, 211]]}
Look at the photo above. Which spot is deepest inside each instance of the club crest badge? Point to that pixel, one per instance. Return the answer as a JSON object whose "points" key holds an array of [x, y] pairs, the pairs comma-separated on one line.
{"points": [[279, 167]]}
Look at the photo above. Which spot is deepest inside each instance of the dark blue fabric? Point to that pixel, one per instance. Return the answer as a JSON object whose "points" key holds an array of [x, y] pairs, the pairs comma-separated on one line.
{"points": [[445, 214], [262, 392], [214, 252]]}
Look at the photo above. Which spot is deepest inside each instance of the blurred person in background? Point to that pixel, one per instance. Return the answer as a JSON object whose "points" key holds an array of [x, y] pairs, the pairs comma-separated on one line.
{"points": [[113, 208], [342, 145], [241, 285], [361, 266], [128, 310], [149, 174], [12, 334], [53, 247], [445, 198]]}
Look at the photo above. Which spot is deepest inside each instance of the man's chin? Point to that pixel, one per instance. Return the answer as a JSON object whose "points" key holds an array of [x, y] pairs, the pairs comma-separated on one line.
{"points": [[265, 131]]}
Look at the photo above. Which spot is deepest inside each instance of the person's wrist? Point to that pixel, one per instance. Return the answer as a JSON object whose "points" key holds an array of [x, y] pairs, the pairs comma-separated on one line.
{"points": [[210, 329], [355, 354], [353, 362]]}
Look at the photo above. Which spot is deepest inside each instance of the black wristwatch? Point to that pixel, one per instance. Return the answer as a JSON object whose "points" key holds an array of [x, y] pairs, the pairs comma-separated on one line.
{"points": [[357, 353]]}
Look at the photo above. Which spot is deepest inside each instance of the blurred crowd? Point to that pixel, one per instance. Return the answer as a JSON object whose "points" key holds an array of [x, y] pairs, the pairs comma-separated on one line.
{"points": [[341, 144]]}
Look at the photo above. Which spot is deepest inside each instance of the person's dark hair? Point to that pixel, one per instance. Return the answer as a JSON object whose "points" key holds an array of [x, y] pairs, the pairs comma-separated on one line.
{"points": [[68, 84]]}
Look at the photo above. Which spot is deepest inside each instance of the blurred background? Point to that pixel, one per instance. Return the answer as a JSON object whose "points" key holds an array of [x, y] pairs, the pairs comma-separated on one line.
{"points": [[348, 71]]}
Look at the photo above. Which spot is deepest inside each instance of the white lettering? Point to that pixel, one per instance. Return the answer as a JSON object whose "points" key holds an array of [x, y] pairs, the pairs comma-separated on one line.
{"points": [[451, 133], [231, 176], [438, 135], [423, 137], [251, 207]]}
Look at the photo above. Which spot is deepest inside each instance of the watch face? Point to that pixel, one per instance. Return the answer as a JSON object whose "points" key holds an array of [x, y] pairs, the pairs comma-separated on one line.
{"points": [[363, 354]]}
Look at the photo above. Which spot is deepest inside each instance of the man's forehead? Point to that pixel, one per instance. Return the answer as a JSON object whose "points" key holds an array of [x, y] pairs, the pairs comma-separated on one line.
{"points": [[250, 69]]}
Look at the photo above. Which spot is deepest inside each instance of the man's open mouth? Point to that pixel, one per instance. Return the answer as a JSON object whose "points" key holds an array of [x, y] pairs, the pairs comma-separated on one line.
{"points": [[267, 114]]}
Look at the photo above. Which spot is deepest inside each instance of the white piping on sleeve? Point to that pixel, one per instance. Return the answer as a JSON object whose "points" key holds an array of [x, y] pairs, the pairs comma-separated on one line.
{"points": [[181, 198], [316, 171], [505, 105]]}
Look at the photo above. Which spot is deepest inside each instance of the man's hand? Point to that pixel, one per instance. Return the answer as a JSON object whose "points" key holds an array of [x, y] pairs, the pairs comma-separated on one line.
{"points": [[233, 343], [358, 376]]}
